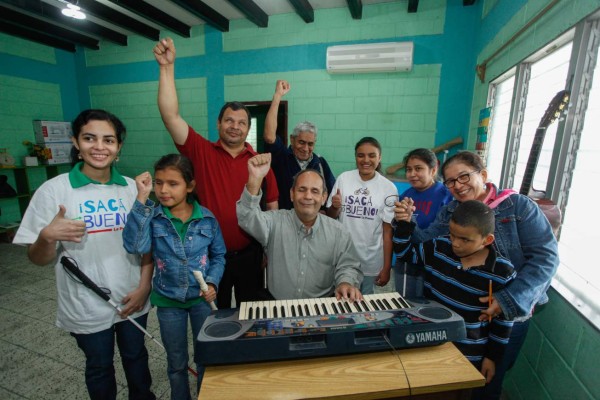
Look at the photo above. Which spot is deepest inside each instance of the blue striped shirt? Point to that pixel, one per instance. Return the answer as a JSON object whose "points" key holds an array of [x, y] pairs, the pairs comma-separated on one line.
{"points": [[459, 289]]}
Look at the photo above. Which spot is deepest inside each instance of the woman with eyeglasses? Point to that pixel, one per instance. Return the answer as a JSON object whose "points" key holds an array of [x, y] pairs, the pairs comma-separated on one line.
{"points": [[522, 234], [429, 195], [358, 201]]}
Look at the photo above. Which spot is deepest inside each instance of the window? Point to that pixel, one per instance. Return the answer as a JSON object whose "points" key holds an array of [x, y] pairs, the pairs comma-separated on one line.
{"points": [[251, 138], [568, 164], [548, 76], [579, 276], [499, 123]]}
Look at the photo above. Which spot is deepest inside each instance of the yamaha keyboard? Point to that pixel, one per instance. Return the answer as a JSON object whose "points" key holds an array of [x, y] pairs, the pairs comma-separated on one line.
{"points": [[288, 329]]}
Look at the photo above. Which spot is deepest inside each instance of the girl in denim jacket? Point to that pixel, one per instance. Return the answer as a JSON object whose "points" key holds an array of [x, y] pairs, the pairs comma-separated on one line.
{"points": [[183, 237], [523, 235]]}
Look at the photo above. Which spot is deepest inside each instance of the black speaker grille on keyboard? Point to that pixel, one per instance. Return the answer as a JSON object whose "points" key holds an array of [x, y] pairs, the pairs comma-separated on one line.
{"points": [[223, 329], [435, 312]]}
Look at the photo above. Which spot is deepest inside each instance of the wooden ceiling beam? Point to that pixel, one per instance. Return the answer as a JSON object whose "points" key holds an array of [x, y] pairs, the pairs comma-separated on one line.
{"points": [[111, 15], [304, 10], [155, 15], [253, 12], [54, 14], [204, 12], [34, 24], [413, 5], [34, 36], [355, 7]]}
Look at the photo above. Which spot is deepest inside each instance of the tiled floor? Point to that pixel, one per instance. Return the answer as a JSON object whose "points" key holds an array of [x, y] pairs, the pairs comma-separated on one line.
{"points": [[37, 359]]}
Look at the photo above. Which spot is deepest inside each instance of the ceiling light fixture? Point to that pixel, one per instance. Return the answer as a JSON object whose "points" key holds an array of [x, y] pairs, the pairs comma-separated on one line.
{"points": [[73, 11]]}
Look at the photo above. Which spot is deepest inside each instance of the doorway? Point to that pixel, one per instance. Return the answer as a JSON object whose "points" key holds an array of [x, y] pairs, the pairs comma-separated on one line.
{"points": [[258, 113]]}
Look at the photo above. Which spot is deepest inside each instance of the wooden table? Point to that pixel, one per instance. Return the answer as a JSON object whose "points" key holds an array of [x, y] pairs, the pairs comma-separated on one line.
{"points": [[438, 372]]}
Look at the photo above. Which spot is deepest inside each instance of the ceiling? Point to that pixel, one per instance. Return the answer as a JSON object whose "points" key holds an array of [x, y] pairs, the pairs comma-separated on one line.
{"points": [[114, 20]]}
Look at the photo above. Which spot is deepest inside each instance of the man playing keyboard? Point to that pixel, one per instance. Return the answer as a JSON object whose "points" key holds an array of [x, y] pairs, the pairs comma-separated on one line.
{"points": [[310, 255]]}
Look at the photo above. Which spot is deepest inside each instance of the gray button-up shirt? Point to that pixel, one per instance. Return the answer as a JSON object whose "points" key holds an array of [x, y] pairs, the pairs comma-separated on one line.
{"points": [[303, 263]]}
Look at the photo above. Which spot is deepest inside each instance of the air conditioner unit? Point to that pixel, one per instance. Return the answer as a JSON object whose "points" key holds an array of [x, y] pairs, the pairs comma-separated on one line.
{"points": [[374, 57]]}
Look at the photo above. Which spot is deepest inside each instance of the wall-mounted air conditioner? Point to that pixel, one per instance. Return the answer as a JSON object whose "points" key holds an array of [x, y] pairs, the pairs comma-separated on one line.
{"points": [[373, 57]]}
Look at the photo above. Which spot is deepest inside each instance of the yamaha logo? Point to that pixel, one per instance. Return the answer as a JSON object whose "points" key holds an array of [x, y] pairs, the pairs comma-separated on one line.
{"points": [[427, 337]]}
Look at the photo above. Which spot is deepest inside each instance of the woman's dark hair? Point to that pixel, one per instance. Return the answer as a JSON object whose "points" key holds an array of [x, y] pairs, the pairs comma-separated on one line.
{"points": [[465, 157], [181, 164], [85, 117], [372, 141], [425, 155]]}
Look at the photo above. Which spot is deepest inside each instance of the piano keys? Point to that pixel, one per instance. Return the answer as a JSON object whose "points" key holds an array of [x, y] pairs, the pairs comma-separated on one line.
{"points": [[318, 307], [277, 330]]}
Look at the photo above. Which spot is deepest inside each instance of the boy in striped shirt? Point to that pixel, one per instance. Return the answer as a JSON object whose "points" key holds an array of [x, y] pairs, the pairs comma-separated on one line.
{"points": [[462, 270]]}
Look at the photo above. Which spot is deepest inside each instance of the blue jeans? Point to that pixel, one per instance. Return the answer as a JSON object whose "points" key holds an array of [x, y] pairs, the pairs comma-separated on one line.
{"points": [[408, 280], [99, 349], [493, 390], [368, 285], [174, 333]]}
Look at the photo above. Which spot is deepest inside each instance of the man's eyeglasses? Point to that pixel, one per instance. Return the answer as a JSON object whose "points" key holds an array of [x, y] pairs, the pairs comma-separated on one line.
{"points": [[463, 178]]}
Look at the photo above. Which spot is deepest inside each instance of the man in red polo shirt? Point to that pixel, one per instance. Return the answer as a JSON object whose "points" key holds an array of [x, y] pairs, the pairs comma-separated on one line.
{"points": [[221, 172]]}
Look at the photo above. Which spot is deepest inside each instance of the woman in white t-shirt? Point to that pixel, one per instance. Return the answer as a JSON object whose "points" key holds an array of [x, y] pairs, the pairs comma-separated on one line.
{"points": [[80, 215], [358, 201]]}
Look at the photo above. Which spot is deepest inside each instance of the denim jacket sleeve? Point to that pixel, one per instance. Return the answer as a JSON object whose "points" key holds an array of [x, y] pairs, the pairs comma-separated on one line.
{"points": [[216, 254], [533, 252], [136, 234]]}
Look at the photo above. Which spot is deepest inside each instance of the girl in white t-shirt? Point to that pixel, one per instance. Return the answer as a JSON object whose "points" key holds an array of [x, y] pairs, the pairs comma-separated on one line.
{"points": [[358, 201], [81, 215]]}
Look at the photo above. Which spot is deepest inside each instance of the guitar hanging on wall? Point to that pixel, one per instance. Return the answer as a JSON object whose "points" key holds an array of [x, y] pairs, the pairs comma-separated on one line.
{"points": [[548, 207]]}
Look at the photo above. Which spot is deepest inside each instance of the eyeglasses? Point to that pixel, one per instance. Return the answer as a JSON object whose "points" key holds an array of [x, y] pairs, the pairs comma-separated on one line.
{"points": [[391, 200], [463, 178]]}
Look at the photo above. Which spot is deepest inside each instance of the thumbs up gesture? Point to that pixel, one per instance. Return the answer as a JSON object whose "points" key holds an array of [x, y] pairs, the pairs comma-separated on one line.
{"points": [[63, 229], [336, 199]]}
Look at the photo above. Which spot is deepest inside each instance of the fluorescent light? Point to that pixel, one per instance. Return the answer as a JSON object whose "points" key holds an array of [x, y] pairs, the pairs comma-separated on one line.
{"points": [[73, 11]]}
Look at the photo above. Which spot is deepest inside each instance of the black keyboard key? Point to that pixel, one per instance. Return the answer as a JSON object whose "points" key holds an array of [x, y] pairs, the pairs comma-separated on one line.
{"points": [[388, 306], [374, 305], [347, 306]]}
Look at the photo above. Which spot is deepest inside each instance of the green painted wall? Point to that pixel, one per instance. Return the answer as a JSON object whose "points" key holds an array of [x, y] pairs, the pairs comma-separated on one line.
{"points": [[22, 101], [333, 25], [400, 112]]}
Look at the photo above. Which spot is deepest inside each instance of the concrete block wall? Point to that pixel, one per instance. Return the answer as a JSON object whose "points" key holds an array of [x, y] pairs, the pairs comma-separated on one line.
{"points": [[385, 20], [559, 358], [399, 111], [22, 101]]}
